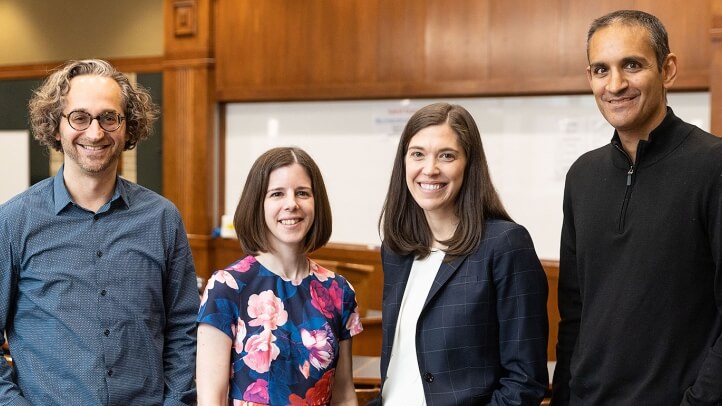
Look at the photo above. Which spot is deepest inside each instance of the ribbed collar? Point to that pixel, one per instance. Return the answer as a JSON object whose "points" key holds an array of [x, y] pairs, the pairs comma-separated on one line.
{"points": [[664, 139]]}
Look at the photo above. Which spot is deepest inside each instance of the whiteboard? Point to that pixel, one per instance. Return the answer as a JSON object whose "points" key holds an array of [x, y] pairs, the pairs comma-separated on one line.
{"points": [[530, 142], [14, 163]]}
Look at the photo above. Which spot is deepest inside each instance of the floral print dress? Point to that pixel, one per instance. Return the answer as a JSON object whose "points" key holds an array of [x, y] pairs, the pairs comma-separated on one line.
{"points": [[285, 334]]}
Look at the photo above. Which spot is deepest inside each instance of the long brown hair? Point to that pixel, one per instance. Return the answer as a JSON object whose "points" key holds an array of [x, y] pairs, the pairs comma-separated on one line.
{"points": [[402, 222]]}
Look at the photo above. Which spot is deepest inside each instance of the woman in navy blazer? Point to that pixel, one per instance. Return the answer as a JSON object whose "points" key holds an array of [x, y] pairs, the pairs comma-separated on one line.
{"points": [[464, 300]]}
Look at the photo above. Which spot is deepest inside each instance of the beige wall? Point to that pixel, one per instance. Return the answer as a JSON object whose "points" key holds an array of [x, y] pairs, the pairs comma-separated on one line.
{"points": [[36, 31]]}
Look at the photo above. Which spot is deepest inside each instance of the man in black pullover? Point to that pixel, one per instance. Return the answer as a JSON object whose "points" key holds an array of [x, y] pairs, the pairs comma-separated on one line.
{"points": [[640, 282]]}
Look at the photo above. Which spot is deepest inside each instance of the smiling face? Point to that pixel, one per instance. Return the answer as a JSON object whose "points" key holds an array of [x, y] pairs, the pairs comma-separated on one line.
{"points": [[435, 163], [629, 88], [288, 207], [92, 151]]}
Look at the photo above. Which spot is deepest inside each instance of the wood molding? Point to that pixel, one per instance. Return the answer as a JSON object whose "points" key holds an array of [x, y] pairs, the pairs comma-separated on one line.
{"points": [[551, 268], [185, 18], [188, 63], [715, 85], [189, 146], [220, 166], [190, 142], [690, 81], [41, 70], [188, 29], [201, 248]]}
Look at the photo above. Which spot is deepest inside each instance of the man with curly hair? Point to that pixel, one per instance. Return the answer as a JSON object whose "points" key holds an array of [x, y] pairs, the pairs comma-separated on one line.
{"points": [[97, 286]]}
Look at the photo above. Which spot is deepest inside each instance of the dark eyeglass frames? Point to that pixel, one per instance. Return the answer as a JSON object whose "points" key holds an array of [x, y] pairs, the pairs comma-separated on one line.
{"points": [[80, 120]]}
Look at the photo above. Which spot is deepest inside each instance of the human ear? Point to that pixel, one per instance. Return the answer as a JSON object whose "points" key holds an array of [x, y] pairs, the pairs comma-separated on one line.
{"points": [[589, 74], [669, 70]]}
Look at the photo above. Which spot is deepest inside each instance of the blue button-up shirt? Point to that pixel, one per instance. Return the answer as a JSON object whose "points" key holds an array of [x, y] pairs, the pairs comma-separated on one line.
{"points": [[98, 308]]}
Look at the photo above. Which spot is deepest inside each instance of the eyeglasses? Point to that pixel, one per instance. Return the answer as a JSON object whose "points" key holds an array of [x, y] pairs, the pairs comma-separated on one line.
{"points": [[80, 120]]}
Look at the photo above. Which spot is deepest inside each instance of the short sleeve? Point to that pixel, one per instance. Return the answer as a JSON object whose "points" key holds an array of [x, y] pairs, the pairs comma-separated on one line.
{"points": [[219, 304], [350, 317]]}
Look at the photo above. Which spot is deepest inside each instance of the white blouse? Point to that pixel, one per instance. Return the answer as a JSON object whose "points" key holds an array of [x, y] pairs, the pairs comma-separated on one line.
{"points": [[403, 379]]}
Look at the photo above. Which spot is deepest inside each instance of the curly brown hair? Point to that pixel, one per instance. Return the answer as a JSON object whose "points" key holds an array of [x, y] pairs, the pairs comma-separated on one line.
{"points": [[46, 104]]}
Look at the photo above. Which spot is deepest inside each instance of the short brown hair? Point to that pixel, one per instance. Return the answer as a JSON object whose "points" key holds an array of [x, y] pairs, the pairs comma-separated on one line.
{"points": [[46, 104], [402, 221], [249, 219]]}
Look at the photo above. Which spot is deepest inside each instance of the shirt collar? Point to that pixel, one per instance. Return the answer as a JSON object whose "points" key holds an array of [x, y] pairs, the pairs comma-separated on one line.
{"points": [[62, 198], [662, 140]]}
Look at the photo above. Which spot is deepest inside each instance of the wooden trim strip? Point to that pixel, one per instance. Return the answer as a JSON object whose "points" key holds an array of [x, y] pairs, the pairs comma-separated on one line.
{"points": [[41, 70], [188, 63], [716, 34]]}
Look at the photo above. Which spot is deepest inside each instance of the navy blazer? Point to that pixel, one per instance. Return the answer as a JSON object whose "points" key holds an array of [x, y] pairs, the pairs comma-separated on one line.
{"points": [[482, 334]]}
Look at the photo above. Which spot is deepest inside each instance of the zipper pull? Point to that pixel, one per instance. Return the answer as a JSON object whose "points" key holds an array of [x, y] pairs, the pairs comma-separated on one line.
{"points": [[629, 175]]}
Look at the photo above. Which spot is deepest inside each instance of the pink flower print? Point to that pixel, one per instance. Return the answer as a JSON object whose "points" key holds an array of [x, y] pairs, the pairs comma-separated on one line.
{"points": [[305, 369], [266, 310], [244, 264], [257, 392], [321, 273], [326, 300], [354, 322], [261, 351], [238, 402], [239, 333], [320, 394], [319, 347], [221, 276]]}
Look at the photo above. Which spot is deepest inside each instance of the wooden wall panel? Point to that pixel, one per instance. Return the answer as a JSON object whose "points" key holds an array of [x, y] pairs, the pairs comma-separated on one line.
{"points": [[527, 45], [716, 68], [189, 145], [688, 28], [551, 268], [397, 36], [339, 57], [330, 49], [188, 32], [457, 44], [190, 142]]}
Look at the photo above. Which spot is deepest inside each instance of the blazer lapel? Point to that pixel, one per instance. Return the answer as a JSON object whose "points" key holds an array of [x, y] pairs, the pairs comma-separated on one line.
{"points": [[402, 270], [446, 271], [396, 272]]}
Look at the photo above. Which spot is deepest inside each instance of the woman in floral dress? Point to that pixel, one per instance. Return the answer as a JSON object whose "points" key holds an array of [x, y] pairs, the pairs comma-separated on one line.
{"points": [[275, 328]]}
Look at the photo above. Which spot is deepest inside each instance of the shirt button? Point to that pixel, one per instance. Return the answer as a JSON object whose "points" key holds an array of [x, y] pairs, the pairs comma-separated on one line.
{"points": [[99, 253], [106, 332], [110, 372], [428, 377], [103, 292]]}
